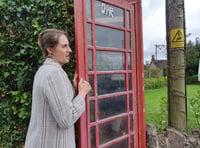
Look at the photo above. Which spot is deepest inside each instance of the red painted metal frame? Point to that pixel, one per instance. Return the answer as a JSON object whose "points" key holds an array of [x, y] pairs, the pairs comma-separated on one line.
{"points": [[137, 69], [80, 59], [140, 76]]}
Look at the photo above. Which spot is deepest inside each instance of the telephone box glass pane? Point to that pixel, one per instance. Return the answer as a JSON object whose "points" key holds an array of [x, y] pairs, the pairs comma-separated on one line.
{"points": [[108, 37], [108, 61], [129, 82], [111, 106], [110, 83], [91, 81], [132, 141], [129, 61], [128, 41], [90, 60], [130, 102], [91, 111], [131, 122], [88, 9], [128, 19], [121, 144], [111, 130], [89, 34], [93, 137], [106, 13]]}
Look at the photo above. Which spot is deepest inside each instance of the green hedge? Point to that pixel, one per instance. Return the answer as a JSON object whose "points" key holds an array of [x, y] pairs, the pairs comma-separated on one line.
{"points": [[192, 79], [20, 57], [152, 83]]}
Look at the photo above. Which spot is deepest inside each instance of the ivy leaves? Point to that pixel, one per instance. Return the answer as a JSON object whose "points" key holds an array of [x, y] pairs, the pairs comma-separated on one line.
{"points": [[20, 56]]}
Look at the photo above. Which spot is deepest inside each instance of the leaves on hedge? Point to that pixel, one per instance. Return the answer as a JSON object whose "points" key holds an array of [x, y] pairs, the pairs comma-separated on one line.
{"points": [[20, 56]]}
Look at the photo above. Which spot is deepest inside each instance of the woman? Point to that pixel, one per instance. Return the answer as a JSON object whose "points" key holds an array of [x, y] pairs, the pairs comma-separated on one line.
{"points": [[55, 108]]}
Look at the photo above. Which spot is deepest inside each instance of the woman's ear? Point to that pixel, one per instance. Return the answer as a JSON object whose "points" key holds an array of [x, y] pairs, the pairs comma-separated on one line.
{"points": [[49, 50]]}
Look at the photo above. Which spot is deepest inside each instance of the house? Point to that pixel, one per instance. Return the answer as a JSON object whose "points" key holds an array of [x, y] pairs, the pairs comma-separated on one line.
{"points": [[156, 68]]}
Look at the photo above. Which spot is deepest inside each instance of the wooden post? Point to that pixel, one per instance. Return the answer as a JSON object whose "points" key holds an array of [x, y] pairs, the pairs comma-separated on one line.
{"points": [[175, 27]]}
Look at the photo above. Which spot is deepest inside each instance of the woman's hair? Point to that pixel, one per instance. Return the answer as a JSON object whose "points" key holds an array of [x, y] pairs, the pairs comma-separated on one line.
{"points": [[49, 39]]}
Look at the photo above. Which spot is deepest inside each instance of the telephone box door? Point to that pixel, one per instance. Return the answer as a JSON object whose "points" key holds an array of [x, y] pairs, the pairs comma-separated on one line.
{"points": [[109, 53]]}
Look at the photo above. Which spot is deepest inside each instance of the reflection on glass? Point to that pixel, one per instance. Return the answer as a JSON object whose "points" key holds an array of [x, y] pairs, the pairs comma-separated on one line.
{"points": [[108, 61], [132, 141], [106, 13], [108, 37], [128, 41], [89, 34], [110, 83], [91, 111], [121, 144], [88, 9], [131, 122], [90, 60], [91, 81], [93, 137], [111, 106], [111, 130], [129, 81], [130, 102], [129, 61], [128, 19]]}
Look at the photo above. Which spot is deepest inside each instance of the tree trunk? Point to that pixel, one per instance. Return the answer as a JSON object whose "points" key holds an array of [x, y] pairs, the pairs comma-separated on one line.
{"points": [[175, 19]]}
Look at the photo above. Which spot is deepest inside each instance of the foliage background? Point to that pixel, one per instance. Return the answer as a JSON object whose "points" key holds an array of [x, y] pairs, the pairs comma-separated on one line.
{"points": [[156, 107], [20, 57], [154, 83], [192, 58], [192, 62], [20, 23]]}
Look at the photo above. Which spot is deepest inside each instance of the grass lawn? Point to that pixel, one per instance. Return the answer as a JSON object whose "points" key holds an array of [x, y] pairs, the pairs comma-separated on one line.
{"points": [[152, 104]]}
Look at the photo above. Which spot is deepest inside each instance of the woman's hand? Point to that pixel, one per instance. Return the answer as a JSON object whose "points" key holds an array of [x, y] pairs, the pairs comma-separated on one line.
{"points": [[83, 87]]}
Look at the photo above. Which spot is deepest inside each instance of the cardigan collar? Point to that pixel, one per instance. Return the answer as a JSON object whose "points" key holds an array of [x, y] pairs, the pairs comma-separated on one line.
{"points": [[50, 61]]}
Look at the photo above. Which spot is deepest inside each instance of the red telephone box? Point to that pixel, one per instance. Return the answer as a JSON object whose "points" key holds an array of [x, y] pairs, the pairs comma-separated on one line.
{"points": [[110, 56]]}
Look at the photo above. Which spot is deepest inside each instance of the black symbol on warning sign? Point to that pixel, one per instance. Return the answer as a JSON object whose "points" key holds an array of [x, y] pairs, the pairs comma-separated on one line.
{"points": [[178, 37]]}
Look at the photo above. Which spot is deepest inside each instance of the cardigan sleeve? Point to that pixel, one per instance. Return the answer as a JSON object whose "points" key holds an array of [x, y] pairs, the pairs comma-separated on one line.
{"points": [[59, 93]]}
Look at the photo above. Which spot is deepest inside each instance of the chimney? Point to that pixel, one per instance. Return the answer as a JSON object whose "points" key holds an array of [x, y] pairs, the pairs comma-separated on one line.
{"points": [[152, 58]]}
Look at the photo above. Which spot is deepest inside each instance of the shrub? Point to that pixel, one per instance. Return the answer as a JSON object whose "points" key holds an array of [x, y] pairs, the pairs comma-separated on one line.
{"points": [[15, 113], [192, 79], [161, 122], [152, 83], [20, 57], [195, 107]]}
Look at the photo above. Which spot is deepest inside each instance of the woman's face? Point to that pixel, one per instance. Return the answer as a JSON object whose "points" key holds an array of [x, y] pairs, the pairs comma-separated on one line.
{"points": [[61, 53]]}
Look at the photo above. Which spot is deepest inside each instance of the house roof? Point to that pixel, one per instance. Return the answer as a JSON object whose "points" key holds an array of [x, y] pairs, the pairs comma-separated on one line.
{"points": [[161, 63], [158, 63]]}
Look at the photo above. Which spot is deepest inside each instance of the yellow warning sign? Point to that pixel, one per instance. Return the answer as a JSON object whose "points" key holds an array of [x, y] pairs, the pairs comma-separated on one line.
{"points": [[177, 38]]}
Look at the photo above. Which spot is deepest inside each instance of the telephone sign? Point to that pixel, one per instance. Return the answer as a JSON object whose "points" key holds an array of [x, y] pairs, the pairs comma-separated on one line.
{"points": [[109, 55]]}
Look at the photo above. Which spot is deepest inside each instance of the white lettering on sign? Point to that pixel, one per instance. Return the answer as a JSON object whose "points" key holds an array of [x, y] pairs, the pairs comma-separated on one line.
{"points": [[107, 10]]}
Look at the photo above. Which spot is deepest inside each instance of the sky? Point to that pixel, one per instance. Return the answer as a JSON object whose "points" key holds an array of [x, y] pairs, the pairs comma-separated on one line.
{"points": [[154, 26]]}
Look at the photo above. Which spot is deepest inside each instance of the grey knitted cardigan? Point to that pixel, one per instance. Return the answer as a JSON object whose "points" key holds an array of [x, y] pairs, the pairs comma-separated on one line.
{"points": [[54, 109]]}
